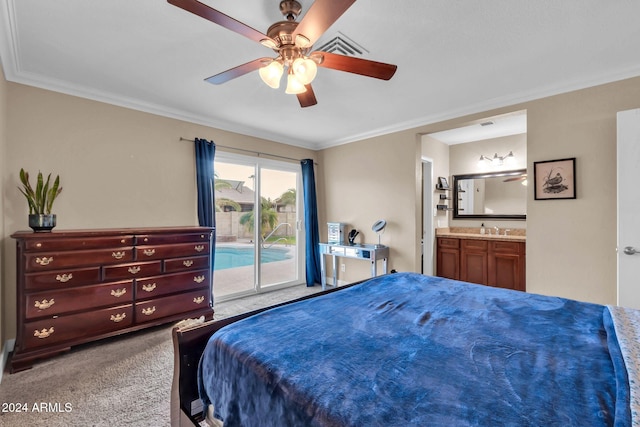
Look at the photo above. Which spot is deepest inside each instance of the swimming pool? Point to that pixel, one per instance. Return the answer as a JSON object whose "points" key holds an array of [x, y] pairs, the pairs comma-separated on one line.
{"points": [[233, 256]]}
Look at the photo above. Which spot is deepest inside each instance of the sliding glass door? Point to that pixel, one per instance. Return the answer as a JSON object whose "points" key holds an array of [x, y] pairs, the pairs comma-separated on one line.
{"points": [[258, 238]]}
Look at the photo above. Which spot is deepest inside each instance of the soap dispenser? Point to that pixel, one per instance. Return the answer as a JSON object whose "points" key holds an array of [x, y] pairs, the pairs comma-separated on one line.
{"points": [[482, 230]]}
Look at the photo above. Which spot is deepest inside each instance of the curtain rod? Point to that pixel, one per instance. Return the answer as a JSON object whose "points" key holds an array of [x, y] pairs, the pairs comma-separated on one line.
{"points": [[258, 153]]}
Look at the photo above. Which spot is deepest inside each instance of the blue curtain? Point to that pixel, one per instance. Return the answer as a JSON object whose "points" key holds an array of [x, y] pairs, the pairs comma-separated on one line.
{"points": [[205, 154], [312, 251]]}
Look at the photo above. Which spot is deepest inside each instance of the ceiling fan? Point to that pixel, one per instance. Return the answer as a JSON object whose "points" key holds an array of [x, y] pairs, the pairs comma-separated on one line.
{"points": [[292, 41]]}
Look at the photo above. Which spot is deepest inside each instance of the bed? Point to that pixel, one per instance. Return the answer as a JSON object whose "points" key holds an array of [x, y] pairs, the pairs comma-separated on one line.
{"points": [[406, 349]]}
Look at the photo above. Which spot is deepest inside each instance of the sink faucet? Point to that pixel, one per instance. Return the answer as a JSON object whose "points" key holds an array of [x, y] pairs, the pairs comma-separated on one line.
{"points": [[497, 230]]}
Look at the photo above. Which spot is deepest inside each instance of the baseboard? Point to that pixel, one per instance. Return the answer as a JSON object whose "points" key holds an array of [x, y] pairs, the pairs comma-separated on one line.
{"points": [[4, 356], [329, 281]]}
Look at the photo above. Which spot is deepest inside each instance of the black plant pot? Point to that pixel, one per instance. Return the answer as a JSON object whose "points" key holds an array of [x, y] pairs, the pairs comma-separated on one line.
{"points": [[42, 223]]}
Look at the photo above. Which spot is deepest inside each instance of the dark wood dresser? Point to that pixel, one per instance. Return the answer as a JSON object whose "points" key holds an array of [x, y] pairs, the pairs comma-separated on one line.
{"points": [[77, 286]]}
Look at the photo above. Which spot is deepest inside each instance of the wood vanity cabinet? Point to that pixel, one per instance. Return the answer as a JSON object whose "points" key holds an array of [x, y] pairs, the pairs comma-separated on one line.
{"points": [[448, 258], [489, 262], [82, 285]]}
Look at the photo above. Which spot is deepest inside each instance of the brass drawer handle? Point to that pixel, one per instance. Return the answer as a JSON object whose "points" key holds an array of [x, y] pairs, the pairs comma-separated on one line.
{"points": [[118, 317], [44, 304], [134, 270], [149, 311], [149, 252], [43, 333], [149, 287], [64, 278], [198, 300], [118, 292], [199, 248], [44, 261], [198, 279], [187, 263], [118, 255]]}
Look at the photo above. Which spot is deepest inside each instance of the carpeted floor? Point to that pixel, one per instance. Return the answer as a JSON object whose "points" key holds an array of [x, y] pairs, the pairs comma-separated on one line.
{"points": [[123, 381]]}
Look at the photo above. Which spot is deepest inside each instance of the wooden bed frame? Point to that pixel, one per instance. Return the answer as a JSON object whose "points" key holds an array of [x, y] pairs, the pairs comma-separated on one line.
{"points": [[188, 344]]}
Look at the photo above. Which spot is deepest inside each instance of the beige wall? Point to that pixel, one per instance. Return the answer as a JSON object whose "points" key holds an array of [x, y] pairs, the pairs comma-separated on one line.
{"points": [[3, 167], [463, 159], [570, 243], [438, 154], [125, 168], [374, 179], [118, 167]]}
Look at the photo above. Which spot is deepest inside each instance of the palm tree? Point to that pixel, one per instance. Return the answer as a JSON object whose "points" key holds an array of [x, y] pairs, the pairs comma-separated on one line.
{"points": [[268, 217], [287, 198], [219, 184]]}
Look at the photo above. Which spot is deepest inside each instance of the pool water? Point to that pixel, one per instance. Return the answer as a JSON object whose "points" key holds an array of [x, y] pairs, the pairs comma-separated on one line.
{"points": [[232, 257]]}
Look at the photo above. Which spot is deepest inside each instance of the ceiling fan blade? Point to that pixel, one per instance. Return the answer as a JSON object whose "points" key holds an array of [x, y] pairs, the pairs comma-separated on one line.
{"points": [[308, 98], [516, 178], [238, 71], [364, 67], [320, 16], [219, 18]]}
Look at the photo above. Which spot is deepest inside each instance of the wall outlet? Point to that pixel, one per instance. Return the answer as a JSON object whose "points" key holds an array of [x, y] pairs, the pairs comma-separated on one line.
{"points": [[343, 268]]}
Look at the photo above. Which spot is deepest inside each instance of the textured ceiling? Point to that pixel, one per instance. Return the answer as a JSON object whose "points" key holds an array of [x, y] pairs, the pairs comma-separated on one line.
{"points": [[453, 58]]}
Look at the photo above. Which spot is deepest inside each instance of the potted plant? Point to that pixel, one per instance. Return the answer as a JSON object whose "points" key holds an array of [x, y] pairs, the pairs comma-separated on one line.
{"points": [[40, 200]]}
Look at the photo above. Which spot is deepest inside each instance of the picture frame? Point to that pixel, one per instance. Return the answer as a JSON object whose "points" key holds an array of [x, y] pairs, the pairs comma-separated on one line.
{"points": [[555, 179], [442, 183]]}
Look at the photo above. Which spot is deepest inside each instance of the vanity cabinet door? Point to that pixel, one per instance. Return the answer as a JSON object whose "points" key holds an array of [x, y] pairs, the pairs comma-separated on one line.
{"points": [[474, 261], [506, 265], [448, 258]]}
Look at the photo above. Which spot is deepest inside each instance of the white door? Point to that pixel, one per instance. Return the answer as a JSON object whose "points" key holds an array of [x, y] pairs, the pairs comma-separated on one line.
{"points": [[628, 207], [427, 217]]}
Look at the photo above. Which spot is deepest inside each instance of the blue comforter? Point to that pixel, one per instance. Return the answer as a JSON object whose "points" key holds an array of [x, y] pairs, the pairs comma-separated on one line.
{"points": [[411, 350]]}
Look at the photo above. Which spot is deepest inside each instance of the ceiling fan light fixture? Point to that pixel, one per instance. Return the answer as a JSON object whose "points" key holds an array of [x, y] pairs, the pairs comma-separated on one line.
{"points": [[270, 43], [302, 42], [305, 70], [294, 86], [271, 74]]}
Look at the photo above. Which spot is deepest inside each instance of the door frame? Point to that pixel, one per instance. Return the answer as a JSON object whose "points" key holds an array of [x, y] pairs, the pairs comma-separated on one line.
{"points": [[428, 215], [258, 163]]}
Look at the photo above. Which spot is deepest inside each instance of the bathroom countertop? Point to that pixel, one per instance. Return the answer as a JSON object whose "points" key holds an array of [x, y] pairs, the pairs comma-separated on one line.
{"points": [[515, 235]]}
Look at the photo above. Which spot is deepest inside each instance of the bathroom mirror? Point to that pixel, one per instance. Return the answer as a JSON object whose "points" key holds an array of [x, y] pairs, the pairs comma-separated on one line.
{"points": [[496, 195]]}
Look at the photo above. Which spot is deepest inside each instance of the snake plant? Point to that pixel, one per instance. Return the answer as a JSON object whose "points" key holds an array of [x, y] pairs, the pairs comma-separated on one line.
{"points": [[41, 198]]}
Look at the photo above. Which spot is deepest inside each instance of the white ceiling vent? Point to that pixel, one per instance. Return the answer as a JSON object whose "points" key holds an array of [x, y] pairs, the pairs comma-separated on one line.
{"points": [[341, 44]]}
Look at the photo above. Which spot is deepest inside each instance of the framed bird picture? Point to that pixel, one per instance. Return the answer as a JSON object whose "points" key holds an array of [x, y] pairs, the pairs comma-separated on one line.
{"points": [[555, 179]]}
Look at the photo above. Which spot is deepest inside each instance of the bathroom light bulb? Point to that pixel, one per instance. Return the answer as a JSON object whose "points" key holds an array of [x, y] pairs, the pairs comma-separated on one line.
{"points": [[305, 70], [294, 86], [271, 74]]}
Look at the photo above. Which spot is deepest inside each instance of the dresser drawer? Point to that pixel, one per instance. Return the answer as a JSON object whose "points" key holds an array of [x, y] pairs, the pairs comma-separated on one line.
{"points": [[62, 278], [76, 327], [132, 270], [161, 239], [152, 287], [51, 303], [77, 243], [57, 260], [171, 251], [188, 263], [162, 307]]}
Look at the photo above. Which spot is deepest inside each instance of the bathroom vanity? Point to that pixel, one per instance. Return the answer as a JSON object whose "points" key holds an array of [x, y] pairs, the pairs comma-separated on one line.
{"points": [[493, 260]]}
